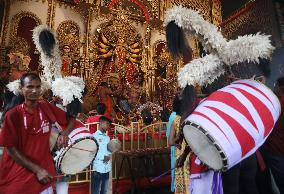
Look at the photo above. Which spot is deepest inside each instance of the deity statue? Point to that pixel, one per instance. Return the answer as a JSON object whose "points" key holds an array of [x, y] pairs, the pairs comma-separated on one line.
{"points": [[66, 60]]}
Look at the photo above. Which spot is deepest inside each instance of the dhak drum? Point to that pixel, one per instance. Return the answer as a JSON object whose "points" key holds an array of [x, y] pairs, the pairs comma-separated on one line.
{"points": [[231, 123], [80, 152], [114, 145]]}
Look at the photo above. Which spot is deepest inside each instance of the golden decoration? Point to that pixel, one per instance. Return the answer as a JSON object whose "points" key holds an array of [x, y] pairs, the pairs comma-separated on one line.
{"points": [[19, 44], [250, 21], [204, 6], [68, 33]]}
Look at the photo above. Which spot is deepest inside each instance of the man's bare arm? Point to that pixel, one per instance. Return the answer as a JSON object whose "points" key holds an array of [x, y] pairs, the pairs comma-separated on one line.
{"points": [[42, 175]]}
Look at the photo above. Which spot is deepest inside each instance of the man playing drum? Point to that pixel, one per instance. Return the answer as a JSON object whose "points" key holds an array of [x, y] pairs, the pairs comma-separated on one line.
{"points": [[27, 164]]}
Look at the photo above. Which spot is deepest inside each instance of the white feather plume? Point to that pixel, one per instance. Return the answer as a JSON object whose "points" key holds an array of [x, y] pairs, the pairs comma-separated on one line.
{"points": [[14, 87], [247, 48], [76, 80], [190, 21], [198, 72], [67, 90], [244, 48], [51, 65]]}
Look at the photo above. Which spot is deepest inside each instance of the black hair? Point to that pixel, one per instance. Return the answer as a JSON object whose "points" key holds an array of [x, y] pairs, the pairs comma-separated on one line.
{"points": [[177, 105], [187, 101], [165, 115], [11, 100], [101, 108], [32, 76], [264, 67], [47, 42], [176, 40], [280, 81], [147, 116], [73, 108], [103, 118]]}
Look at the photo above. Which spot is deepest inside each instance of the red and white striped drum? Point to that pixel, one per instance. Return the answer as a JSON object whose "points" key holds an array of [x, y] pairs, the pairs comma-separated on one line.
{"points": [[231, 123], [80, 152]]}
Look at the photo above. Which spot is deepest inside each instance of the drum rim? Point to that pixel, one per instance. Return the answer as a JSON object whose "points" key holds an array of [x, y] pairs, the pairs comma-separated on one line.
{"points": [[60, 158], [212, 140]]}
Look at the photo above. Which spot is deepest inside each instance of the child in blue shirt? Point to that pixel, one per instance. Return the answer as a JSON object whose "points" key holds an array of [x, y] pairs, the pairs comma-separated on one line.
{"points": [[102, 162]]}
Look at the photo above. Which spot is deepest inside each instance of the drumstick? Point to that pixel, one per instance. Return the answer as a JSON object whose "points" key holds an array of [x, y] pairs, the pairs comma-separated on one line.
{"points": [[161, 175], [63, 175], [83, 149]]}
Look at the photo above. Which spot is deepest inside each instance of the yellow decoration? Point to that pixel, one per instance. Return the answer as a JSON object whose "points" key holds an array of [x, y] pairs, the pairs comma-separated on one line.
{"points": [[104, 39]]}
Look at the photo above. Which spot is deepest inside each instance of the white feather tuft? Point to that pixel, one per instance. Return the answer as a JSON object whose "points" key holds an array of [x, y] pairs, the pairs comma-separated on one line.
{"points": [[190, 20], [244, 48], [67, 90], [52, 65], [247, 48], [14, 87], [200, 71]]}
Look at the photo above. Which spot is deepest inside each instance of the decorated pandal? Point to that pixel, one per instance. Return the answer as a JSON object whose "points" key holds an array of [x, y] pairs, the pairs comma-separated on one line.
{"points": [[119, 49]]}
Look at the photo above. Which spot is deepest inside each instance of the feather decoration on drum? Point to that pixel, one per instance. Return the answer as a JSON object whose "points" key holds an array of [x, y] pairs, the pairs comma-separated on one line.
{"points": [[180, 20]]}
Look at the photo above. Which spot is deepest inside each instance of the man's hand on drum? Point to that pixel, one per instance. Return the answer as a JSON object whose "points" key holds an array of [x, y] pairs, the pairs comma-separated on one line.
{"points": [[62, 140], [43, 176], [106, 159]]}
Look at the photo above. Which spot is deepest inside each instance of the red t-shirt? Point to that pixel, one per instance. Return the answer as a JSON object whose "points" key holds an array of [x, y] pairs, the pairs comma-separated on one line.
{"points": [[275, 142], [31, 140], [93, 119]]}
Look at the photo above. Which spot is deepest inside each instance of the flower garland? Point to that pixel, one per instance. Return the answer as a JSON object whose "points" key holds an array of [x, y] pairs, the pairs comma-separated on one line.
{"points": [[205, 70], [151, 106]]}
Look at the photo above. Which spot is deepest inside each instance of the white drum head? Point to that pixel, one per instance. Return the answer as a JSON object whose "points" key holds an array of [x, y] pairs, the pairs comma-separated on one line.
{"points": [[204, 149], [76, 160]]}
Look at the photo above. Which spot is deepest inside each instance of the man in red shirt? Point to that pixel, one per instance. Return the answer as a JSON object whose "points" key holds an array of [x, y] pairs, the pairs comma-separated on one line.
{"points": [[274, 146], [27, 165], [101, 109]]}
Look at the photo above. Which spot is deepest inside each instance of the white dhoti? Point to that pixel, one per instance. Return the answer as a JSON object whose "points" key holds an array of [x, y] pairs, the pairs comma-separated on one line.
{"points": [[62, 187], [208, 182], [49, 190]]}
